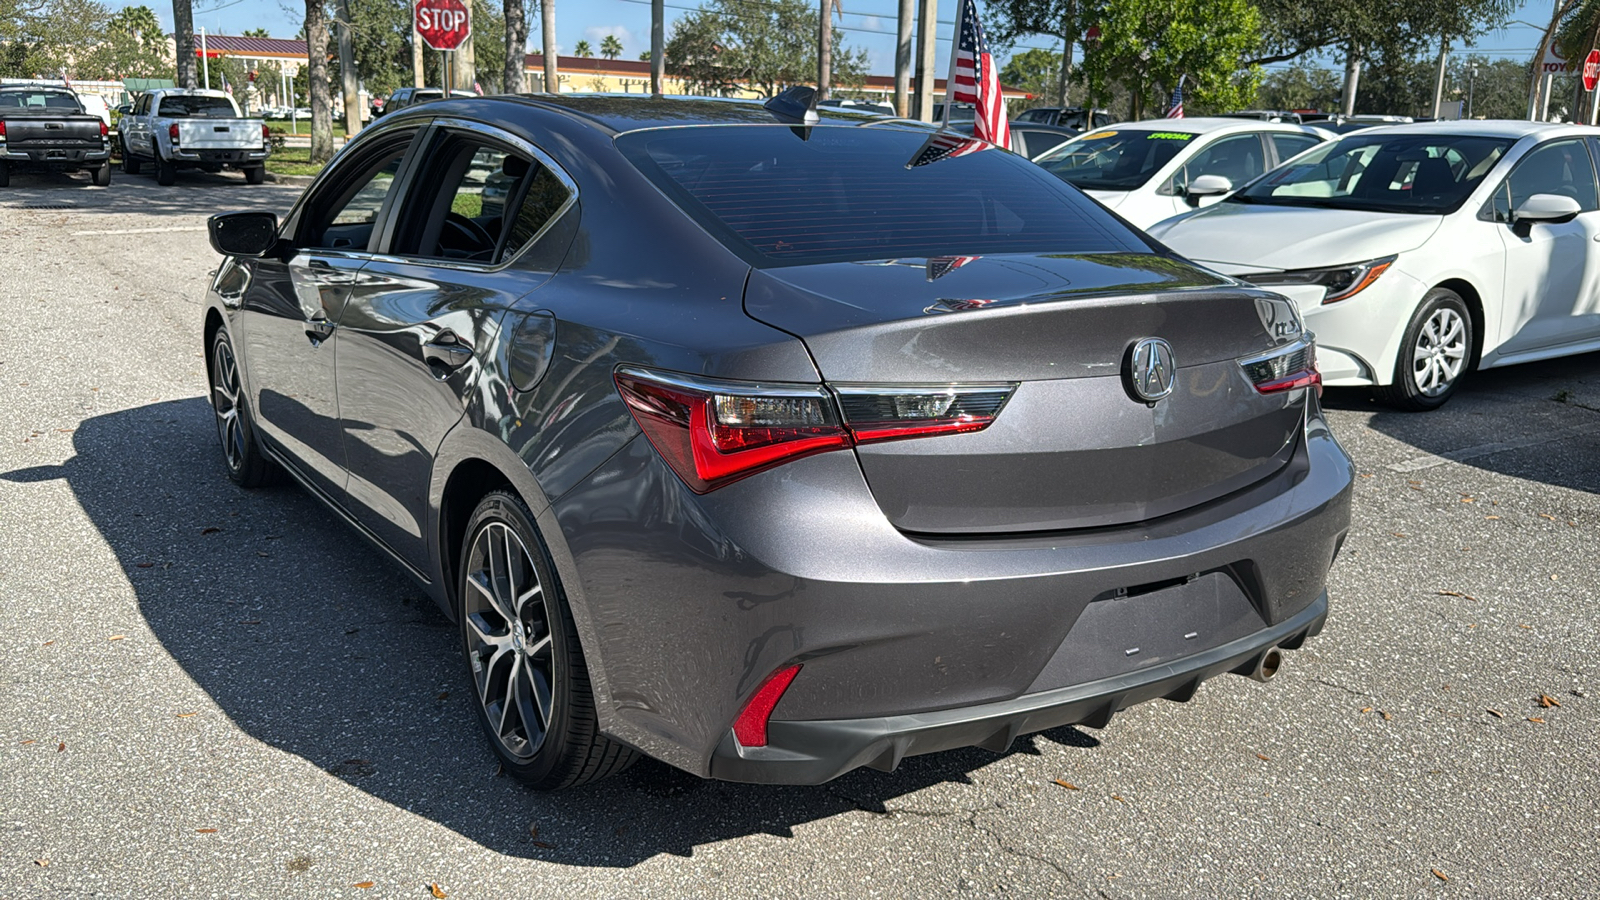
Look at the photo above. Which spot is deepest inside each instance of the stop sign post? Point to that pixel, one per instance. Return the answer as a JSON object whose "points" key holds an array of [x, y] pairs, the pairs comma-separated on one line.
{"points": [[443, 25]]}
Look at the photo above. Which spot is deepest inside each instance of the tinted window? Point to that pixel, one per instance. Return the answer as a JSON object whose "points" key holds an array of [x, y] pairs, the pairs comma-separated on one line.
{"points": [[342, 214], [1430, 174], [1559, 167], [853, 193], [1115, 160], [40, 101], [197, 107], [1291, 145]]}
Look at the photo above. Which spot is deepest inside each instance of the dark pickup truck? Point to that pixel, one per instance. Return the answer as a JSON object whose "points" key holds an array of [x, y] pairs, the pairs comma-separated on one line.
{"points": [[44, 128]]}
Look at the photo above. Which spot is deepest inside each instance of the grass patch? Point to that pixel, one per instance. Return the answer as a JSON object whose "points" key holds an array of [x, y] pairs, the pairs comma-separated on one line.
{"points": [[292, 161], [305, 126]]}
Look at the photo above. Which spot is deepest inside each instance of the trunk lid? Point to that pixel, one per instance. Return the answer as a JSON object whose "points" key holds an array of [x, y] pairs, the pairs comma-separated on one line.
{"points": [[1071, 448]]}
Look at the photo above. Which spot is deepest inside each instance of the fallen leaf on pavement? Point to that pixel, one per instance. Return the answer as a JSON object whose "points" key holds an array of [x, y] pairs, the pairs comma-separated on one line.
{"points": [[1496, 713], [1491, 517], [1529, 627], [212, 530], [1366, 475], [1398, 533], [1536, 719], [542, 845], [1469, 499], [1068, 785], [533, 830], [1386, 716], [437, 891], [116, 637], [26, 743], [1263, 757], [41, 863], [143, 565], [1366, 709], [443, 695], [47, 643], [1547, 516], [1118, 798], [364, 885], [188, 714], [61, 746], [1440, 875], [1547, 701], [205, 831], [1457, 594]]}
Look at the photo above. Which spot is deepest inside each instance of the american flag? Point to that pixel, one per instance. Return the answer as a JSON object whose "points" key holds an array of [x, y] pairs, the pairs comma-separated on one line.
{"points": [[945, 145], [228, 88], [975, 79], [940, 266], [1175, 108]]}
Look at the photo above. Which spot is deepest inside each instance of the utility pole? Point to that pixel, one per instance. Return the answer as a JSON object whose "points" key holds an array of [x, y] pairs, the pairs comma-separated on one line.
{"points": [[347, 71], [466, 58], [1438, 84], [658, 46], [1070, 30], [1472, 81], [927, 23], [418, 68], [902, 58], [825, 50]]}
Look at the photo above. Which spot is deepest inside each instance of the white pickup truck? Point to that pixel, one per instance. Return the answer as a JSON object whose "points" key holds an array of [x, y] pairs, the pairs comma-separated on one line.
{"points": [[174, 128]]}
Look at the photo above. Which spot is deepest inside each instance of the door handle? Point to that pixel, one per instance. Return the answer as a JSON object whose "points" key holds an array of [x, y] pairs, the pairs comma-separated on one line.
{"points": [[446, 352], [318, 328]]}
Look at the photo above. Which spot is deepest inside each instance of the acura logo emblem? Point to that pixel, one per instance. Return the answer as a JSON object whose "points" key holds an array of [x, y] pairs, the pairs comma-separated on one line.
{"points": [[1148, 371]]}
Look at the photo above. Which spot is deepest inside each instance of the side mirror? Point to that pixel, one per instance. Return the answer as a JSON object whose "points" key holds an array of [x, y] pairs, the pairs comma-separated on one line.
{"points": [[252, 234], [124, 109], [1551, 208], [1206, 186]]}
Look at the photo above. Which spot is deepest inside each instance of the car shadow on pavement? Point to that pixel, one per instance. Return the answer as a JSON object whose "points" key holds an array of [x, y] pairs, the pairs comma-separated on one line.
{"points": [[313, 643], [1537, 421]]}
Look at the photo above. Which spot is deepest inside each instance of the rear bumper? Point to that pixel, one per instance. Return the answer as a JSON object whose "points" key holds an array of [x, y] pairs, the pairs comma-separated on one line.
{"points": [[818, 751], [54, 159], [219, 157]]}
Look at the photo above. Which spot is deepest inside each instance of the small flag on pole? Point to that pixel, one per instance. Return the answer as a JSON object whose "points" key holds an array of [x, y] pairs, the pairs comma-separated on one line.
{"points": [[1175, 108], [477, 88], [226, 87], [974, 78]]}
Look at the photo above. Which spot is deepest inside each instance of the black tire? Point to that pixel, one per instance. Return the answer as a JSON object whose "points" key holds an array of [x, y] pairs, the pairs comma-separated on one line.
{"points": [[255, 174], [247, 465], [5, 174], [102, 175], [526, 667], [1435, 353], [130, 163], [166, 173]]}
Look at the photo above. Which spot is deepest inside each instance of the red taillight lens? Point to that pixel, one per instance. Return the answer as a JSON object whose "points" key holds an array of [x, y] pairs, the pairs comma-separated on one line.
{"points": [[104, 129], [2, 130], [750, 728], [172, 131], [266, 133], [1294, 366], [714, 432]]}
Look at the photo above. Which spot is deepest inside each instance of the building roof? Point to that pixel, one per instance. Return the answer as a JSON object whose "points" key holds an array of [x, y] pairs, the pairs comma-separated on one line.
{"points": [[230, 45]]}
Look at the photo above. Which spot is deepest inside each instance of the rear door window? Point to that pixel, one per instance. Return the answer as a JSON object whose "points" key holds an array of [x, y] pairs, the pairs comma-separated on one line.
{"points": [[1561, 167], [855, 193], [1292, 145]]}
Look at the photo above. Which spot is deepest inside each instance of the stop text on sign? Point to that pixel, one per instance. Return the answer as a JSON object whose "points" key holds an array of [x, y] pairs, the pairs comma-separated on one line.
{"points": [[443, 24]]}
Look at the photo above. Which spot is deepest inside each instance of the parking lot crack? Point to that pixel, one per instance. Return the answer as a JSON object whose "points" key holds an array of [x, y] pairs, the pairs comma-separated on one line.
{"points": [[1339, 687]]}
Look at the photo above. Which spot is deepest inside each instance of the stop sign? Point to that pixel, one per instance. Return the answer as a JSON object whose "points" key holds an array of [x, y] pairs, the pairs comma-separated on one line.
{"points": [[443, 24], [1591, 70]]}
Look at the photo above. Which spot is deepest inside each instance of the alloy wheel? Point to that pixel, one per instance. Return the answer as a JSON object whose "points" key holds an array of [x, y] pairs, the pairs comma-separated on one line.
{"points": [[509, 640], [1440, 353], [225, 402]]}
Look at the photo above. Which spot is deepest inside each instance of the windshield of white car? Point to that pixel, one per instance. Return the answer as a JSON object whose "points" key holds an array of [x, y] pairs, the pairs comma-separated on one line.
{"points": [[197, 107], [1426, 174], [33, 102], [1114, 160]]}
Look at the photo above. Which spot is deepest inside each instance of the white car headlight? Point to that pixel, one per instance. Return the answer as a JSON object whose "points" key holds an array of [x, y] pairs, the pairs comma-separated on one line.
{"points": [[1341, 282]]}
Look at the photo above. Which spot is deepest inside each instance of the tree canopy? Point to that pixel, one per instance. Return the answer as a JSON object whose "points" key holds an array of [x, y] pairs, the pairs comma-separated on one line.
{"points": [[731, 44], [1148, 45]]}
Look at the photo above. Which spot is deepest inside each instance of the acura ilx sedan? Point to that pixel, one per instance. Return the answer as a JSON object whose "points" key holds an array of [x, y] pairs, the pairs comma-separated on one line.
{"points": [[1418, 253], [773, 449]]}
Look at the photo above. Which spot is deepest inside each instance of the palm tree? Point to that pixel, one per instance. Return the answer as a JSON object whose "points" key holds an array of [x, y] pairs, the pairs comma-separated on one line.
{"points": [[547, 23], [516, 45], [317, 76], [582, 49], [183, 37], [611, 48]]}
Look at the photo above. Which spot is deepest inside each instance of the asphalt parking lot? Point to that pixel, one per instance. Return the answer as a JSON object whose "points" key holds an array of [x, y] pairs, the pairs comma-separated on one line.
{"points": [[215, 693]]}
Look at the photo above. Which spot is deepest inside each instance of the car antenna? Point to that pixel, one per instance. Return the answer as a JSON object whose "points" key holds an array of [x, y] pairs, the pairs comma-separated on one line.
{"points": [[796, 106]]}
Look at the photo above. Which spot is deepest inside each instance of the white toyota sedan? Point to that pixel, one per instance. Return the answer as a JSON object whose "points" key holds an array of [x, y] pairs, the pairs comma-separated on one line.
{"points": [[1417, 253], [1146, 171]]}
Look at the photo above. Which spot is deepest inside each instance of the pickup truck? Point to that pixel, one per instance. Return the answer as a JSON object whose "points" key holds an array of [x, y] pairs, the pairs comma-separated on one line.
{"points": [[174, 128], [44, 128]]}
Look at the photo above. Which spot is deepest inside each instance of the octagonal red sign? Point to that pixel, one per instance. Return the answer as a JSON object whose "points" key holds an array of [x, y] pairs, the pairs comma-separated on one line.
{"points": [[1591, 70], [443, 24]]}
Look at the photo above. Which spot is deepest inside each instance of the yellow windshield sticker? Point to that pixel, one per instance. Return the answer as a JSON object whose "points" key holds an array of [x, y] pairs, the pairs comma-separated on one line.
{"points": [[1099, 134], [1168, 136]]}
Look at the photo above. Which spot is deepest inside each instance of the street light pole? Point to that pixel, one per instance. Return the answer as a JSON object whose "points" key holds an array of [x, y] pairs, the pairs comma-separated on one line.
{"points": [[1472, 80]]}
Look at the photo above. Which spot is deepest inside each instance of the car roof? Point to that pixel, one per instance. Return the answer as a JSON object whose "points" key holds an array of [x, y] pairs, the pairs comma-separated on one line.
{"points": [[618, 114], [1506, 128], [1207, 125]]}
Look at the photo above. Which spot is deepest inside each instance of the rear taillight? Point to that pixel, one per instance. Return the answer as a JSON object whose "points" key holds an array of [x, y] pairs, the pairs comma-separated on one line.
{"points": [[2, 131], [713, 432], [750, 728], [172, 132], [104, 129], [266, 133], [1284, 369]]}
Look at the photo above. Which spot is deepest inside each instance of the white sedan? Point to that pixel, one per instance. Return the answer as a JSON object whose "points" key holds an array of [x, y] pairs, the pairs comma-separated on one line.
{"points": [[1146, 171], [1419, 252]]}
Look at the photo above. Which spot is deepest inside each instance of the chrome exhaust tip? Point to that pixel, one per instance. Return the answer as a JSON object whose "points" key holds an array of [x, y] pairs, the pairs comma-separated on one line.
{"points": [[1267, 665]]}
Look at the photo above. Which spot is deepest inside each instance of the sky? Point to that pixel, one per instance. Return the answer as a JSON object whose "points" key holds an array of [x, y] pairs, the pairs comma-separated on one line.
{"points": [[868, 24]]}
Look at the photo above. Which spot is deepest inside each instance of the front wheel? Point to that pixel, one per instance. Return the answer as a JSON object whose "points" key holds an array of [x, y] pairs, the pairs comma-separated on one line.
{"points": [[248, 465], [166, 173], [1434, 353], [527, 668]]}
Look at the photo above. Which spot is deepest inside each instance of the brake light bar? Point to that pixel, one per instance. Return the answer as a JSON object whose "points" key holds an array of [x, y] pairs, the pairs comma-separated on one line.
{"points": [[714, 432], [1284, 369]]}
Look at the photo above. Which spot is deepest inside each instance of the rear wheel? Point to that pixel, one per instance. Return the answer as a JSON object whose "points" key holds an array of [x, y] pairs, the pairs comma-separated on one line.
{"points": [[527, 668], [166, 172], [255, 174], [1434, 353], [247, 465], [102, 175], [130, 163]]}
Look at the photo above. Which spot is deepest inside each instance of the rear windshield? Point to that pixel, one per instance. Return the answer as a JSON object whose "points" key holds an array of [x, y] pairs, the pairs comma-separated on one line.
{"points": [[1114, 160], [26, 101], [190, 107], [852, 193]]}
